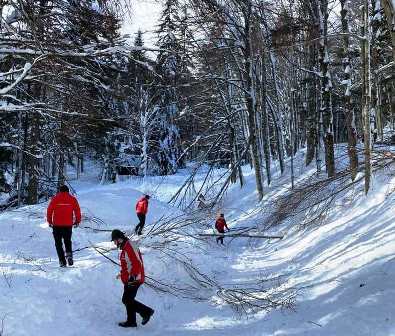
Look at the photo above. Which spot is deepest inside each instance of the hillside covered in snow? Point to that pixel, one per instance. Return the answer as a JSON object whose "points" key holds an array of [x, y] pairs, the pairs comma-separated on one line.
{"points": [[332, 279]]}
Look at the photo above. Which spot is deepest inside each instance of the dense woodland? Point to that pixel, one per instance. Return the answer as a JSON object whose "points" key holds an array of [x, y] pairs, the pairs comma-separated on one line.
{"points": [[229, 83]]}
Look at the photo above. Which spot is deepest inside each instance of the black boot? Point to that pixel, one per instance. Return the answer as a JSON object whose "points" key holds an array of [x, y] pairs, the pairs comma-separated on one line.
{"points": [[127, 324], [69, 258], [147, 318]]}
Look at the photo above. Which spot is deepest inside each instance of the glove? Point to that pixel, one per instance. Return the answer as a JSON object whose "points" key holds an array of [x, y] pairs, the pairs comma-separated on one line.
{"points": [[50, 225], [132, 281], [76, 225]]}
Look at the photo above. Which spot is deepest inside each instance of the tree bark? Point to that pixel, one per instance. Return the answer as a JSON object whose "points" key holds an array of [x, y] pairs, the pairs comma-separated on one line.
{"points": [[250, 101], [389, 11], [349, 113], [366, 98], [326, 89]]}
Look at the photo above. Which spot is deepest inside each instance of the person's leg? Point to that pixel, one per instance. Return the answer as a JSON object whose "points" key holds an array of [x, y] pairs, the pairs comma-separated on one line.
{"points": [[144, 311], [67, 233], [141, 224], [221, 237], [129, 293], [57, 234]]}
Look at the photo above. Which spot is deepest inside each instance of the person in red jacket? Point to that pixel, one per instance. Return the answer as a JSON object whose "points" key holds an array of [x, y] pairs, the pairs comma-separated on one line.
{"points": [[220, 225], [63, 212], [141, 211], [132, 277]]}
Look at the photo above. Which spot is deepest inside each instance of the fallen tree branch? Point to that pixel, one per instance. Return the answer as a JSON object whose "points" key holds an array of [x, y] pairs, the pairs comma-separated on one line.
{"points": [[241, 235]]}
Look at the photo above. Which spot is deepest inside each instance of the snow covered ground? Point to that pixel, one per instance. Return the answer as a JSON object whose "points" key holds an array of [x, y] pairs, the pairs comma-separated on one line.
{"points": [[344, 271]]}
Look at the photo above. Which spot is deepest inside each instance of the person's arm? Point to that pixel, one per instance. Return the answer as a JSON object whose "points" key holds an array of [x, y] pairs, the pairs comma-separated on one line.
{"points": [[124, 274], [50, 210], [146, 206], [134, 271], [77, 212], [226, 225]]}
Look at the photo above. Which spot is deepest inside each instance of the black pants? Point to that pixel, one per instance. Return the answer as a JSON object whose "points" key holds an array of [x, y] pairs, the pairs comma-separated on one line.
{"points": [[61, 234], [221, 238], [140, 225], [132, 305]]}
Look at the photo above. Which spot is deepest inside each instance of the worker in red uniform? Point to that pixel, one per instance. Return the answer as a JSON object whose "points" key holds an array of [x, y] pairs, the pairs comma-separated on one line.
{"points": [[220, 225], [141, 211], [63, 212], [132, 277]]}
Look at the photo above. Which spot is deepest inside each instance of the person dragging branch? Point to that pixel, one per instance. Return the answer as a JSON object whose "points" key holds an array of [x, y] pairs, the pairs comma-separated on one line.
{"points": [[63, 212], [220, 225], [132, 277]]}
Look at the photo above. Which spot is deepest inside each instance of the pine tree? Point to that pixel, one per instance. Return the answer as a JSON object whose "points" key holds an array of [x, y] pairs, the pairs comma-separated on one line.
{"points": [[169, 66]]}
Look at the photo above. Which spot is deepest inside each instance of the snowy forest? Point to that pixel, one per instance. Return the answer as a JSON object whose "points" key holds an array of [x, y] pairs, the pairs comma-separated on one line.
{"points": [[229, 83], [278, 114]]}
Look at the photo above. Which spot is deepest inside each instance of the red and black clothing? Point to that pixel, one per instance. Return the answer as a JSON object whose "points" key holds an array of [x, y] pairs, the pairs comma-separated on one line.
{"points": [[63, 211], [220, 225], [132, 276], [141, 211]]}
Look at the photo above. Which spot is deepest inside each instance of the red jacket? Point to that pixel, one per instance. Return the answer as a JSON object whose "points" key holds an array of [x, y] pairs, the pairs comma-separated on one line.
{"points": [[220, 224], [142, 206], [132, 267], [63, 210]]}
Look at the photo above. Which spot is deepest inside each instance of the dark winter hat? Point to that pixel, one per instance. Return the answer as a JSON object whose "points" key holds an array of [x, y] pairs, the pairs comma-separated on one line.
{"points": [[221, 215], [117, 234], [147, 196], [64, 188]]}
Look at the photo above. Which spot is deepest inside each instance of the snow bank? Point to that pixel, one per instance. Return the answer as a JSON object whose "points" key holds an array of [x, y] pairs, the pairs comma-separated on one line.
{"points": [[344, 271]]}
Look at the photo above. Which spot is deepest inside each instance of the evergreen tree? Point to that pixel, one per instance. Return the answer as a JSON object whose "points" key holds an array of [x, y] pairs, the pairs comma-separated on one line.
{"points": [[168, 66]]}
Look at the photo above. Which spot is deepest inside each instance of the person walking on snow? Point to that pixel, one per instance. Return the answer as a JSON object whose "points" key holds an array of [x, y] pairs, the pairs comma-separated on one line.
{"points": [[132, 277], [141, 211], [220, 225], [63, 212]]}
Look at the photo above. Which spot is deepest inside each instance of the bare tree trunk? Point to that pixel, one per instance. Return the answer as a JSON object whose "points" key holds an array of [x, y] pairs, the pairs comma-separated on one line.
{"points": [[277, 120], [311, 103], [61, 177], [349, 113], [389, 11], [61, 163], [250, 100], [233, 177], [265, 120], [292, 130], [326, 88], [320, 127], [32, 160], [366, 98]]}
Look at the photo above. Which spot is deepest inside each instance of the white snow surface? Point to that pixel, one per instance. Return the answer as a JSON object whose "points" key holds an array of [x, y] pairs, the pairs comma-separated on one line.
{"points": [[344, 270]]}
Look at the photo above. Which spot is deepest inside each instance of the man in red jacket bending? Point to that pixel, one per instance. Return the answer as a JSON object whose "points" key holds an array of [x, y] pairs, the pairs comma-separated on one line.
{"points": [[63, 212], [132, 276], [220, 225], [141, 211]]}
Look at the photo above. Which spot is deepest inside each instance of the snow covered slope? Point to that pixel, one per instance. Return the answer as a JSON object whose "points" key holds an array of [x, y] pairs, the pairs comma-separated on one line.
{"points": [[344, 271]]}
